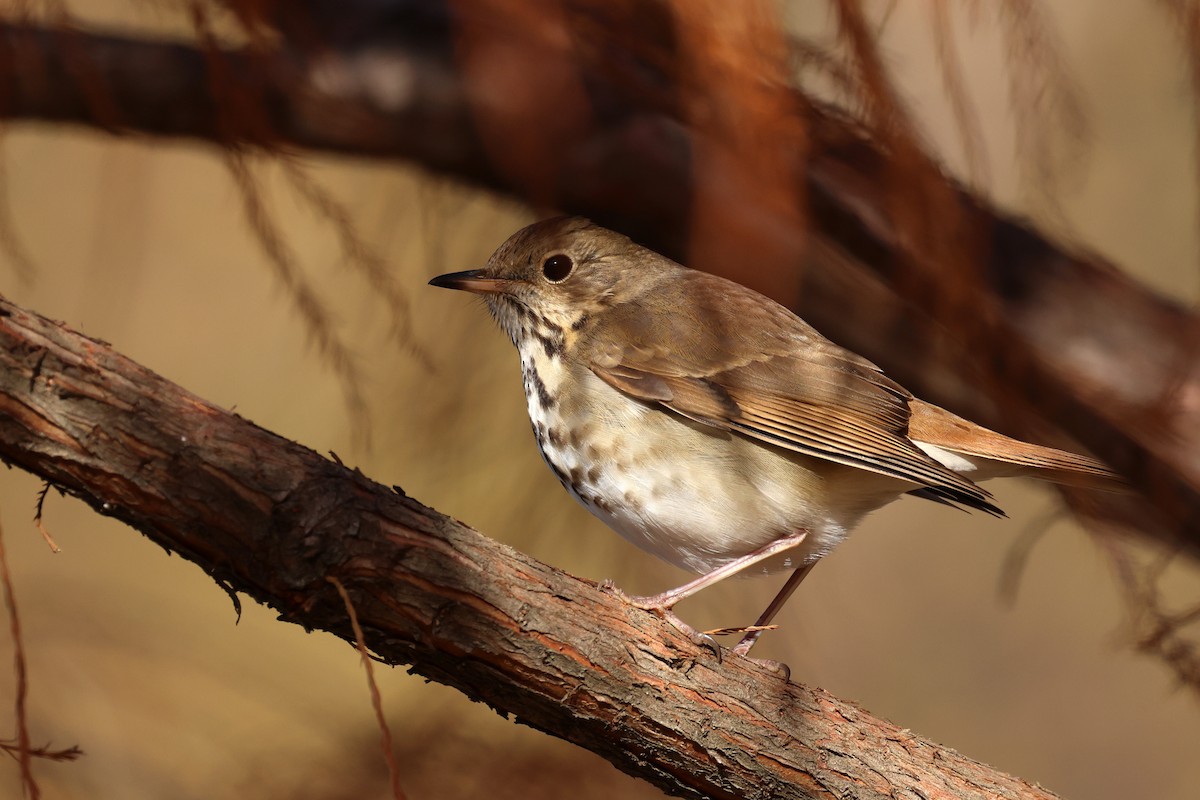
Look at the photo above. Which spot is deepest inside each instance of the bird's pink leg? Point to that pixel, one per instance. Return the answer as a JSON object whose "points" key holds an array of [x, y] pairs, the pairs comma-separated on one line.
{"points": [[667, 600], [764, 619]]}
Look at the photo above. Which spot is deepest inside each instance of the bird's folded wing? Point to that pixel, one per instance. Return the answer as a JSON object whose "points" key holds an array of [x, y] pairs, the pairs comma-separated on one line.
{"points": [[826, 403]]}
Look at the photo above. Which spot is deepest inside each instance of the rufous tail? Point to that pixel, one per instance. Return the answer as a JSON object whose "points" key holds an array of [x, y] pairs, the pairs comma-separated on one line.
{"points": [[938, 427]]}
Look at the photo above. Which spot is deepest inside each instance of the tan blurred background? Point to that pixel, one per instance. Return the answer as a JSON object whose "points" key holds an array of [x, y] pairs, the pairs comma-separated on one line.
{"points": [[135, 657]]}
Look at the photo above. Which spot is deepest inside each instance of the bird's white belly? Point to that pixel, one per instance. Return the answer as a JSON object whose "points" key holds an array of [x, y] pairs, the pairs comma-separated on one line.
{"points": [[688, 493]]}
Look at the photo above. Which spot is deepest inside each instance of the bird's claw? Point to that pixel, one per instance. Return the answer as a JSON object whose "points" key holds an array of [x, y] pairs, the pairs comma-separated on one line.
{"points": [[777, 667], [701, 639]]}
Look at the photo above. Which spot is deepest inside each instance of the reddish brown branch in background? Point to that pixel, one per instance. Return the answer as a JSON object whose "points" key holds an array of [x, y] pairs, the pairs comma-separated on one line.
{"points": [[1071, 346], [276, 521]]}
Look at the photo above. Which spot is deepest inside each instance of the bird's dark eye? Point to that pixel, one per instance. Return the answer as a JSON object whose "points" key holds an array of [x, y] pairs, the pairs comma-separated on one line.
{"points": [[557, 268]]}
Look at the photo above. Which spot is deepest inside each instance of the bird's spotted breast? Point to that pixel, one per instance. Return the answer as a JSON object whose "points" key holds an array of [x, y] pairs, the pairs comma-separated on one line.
{"points": [[535, 390], [665, 485]]}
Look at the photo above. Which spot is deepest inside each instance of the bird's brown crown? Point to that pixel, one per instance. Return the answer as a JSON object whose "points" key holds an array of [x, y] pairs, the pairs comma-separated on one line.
{"points": [[560, 273]]}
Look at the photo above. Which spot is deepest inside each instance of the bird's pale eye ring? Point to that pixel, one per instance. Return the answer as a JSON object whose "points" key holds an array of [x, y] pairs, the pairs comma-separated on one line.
{"points": [[557, 268]]}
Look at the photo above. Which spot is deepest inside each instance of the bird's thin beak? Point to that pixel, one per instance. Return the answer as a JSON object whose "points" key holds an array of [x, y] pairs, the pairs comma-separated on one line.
{"points": [[471, 280]]}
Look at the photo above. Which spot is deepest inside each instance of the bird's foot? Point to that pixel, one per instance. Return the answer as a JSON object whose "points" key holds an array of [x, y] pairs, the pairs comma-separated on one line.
{"points": [[662, 604], [742, 648], [776, 667], [659, 603]]}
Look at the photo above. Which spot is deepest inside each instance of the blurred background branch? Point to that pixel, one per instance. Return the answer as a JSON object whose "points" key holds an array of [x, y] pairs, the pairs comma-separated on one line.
{"points": [[964, 305]]}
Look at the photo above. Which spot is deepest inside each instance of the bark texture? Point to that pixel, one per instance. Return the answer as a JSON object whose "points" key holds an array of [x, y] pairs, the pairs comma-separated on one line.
{"points": [[269, 518]]}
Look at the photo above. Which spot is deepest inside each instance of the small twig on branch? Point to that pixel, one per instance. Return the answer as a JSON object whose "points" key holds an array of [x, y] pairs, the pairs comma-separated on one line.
{"points": [[24, 751], [389, 754], [39, 507], [45, 751]]}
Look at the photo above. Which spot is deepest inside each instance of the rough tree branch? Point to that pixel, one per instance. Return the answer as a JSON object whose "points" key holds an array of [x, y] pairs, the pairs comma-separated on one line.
{"points": [[1071, 343], [267, 517]]}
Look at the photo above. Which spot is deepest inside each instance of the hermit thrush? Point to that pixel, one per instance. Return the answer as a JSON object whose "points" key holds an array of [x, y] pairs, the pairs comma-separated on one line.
{"points": [[711, 426]]}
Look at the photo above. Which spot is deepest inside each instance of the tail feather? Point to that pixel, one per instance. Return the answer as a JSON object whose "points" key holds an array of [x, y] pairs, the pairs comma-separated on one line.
{"points": [[995, 455]]}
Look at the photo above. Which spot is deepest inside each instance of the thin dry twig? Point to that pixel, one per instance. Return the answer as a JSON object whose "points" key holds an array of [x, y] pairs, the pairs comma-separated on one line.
{"points": [[1157, 632], [966, 121], [10, 242], [1187, 19], [24, 754], [743, 629], [318, 324], [13, 749], [1050, 123], [37, 519], [240, 108], [937, 252], [385, 732], [360, 256], [1017, 557], [1161, 632], [812, 59]]}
